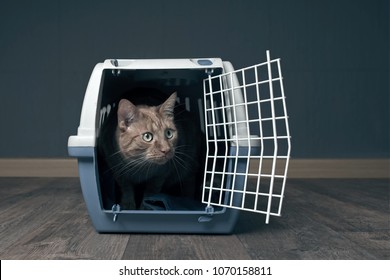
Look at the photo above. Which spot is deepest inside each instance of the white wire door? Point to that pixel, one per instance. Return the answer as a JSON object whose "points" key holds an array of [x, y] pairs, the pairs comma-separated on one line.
{"points": [[248, 139]]}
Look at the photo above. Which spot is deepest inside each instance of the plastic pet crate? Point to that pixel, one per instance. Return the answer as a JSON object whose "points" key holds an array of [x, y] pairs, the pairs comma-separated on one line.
{"points": [[243, 116]]}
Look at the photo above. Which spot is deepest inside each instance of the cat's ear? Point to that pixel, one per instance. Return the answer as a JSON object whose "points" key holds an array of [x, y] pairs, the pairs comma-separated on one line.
{"points": [[126, 114], [168, 107]]}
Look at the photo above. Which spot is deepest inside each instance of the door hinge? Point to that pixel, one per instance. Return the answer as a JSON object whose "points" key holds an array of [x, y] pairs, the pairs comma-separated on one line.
{"points": [[116, 208]]}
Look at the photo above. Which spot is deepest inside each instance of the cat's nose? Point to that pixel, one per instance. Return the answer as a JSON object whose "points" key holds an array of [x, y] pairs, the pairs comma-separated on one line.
{"points": [[164, 148]]}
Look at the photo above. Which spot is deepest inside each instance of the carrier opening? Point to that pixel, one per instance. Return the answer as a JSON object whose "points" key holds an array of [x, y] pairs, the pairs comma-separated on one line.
{"points": [[151, 88]]}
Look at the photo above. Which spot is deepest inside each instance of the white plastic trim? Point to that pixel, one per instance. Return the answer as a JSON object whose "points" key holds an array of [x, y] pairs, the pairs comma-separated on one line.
{"points": [[163, 63]]}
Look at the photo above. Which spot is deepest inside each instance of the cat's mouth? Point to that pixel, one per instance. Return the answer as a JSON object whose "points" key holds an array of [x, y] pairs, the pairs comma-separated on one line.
{"points": [[160, 160]]}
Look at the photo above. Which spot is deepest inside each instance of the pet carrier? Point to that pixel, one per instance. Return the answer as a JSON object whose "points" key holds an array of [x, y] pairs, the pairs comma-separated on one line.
{"points": [[243, 116]]}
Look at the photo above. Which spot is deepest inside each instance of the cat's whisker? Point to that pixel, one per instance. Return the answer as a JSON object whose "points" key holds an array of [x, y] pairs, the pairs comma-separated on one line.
{"points": [[133, 166], [149, 166], [181, 162], [137, 166], [178, 175], [188, 157]]}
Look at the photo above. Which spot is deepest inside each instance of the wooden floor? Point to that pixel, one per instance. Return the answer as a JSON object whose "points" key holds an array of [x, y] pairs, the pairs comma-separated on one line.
{"points": [[46, 218]]}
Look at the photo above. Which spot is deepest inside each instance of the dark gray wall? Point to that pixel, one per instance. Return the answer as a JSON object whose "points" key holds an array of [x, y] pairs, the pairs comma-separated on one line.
{"points": [[335, 61]]}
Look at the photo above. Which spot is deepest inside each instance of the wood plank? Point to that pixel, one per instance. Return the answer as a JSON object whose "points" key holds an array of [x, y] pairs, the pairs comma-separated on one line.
{"points": [[185, 247], [23, 213], [360, 212], [51, 222], [296, 236], [46, 218], [298, 168], [318, 226]]}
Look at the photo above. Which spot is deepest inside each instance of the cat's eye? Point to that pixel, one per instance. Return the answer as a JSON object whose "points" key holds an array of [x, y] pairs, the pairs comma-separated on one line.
{"points": [[169, 133], [147, 136]]}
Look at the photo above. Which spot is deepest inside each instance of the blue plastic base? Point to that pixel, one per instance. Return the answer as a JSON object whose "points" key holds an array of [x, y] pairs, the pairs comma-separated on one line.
{"points": [[218, 222]]}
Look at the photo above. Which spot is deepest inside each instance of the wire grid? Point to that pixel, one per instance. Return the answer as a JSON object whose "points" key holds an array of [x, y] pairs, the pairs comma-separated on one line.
{"points": [[248, 139]]}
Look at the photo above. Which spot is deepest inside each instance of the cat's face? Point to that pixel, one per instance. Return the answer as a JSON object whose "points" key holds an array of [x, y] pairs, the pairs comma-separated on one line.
{"points": [[147, 133]]}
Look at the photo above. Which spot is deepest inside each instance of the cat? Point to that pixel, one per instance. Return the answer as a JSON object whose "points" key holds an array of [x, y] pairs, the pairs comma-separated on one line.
{"points": [[149, 146]]}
